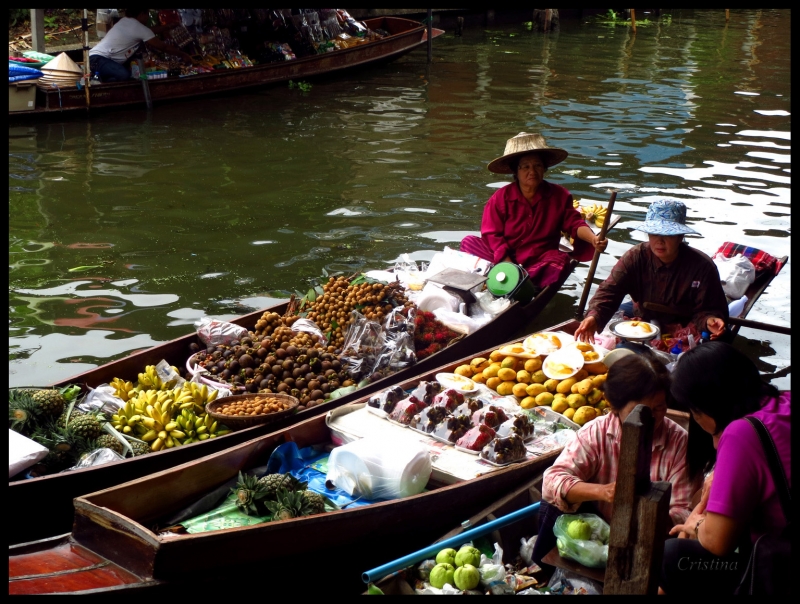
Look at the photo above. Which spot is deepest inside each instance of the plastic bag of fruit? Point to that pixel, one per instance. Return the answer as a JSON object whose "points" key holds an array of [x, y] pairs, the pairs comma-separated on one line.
{"points": [[397, 349], [363, 342], [583, 538], [214, 332]]}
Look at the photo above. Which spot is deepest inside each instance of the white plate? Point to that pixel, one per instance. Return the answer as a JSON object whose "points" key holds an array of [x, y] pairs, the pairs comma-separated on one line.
{"points": [[517, 350], [459, 383], [563, 364], [546, 342], [640, 330], [602, 352]]}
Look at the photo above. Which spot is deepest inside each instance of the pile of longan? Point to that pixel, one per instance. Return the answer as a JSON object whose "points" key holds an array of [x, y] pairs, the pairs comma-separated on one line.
{"points": [[340, 298], [259, 404]]}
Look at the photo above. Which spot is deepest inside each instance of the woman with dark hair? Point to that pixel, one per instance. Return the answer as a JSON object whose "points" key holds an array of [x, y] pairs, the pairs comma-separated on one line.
{"points": [[586, 470], [740, 502], [522, 222]]}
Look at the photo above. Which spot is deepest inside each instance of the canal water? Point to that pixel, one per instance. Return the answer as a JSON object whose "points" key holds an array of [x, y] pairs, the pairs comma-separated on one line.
{"points": [[128, 227]]}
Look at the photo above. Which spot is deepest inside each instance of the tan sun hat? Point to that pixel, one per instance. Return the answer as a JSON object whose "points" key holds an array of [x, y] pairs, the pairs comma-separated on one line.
{"points": [[523, 144], [62, 63]]}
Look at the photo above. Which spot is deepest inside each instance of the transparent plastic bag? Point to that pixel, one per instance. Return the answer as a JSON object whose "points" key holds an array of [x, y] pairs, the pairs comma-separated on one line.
{"points": [[102, 398], [362, 344], [568, 583], [378, 468], [213, 332], [308, 326], [397, 350], [591, 552], [459, 322], [97, 457]]}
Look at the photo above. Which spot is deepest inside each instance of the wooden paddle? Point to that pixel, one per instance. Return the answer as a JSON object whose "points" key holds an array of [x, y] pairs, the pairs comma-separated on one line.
{"points": [[593, 266]]}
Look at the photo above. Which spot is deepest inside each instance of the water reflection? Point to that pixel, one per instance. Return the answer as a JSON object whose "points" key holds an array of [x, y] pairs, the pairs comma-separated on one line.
{"points": [[217, 200]]}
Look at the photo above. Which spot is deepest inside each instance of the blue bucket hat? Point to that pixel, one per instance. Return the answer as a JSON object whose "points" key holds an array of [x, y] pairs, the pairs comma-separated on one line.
{"points": [[665, 217]]}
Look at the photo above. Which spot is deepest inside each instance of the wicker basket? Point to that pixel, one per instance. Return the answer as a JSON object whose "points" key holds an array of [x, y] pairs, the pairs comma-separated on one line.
{"points": [[237, 422]]}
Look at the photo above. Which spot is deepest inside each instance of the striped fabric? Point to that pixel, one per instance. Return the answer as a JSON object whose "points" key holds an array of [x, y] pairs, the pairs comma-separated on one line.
{"points": [[760, 259]]}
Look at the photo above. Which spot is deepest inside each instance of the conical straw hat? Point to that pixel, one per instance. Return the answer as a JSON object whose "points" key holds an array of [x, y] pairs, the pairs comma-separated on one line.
{"points": [[523, 144], [62, 63]]}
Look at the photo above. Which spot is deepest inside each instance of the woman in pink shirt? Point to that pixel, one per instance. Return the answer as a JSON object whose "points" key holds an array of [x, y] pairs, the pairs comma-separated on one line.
{"points": [[586, 470], [523, 221], [740, 501]]}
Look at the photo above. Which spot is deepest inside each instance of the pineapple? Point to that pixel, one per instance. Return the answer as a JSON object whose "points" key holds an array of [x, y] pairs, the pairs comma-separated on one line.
{"points": [[288, 505], [62, 419], [23, 412], [109, 441], [139, 448], [273, 482], [314, 501], [64, 444], [88, 426], [250, 495], [51, 401]]}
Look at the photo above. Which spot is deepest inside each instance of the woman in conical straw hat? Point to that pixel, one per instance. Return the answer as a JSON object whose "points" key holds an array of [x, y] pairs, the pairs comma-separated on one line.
{"points": [[523, 221]]}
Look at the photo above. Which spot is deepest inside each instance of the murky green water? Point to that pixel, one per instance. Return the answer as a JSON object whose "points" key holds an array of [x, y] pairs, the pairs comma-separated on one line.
{"points": [[217, 206]]}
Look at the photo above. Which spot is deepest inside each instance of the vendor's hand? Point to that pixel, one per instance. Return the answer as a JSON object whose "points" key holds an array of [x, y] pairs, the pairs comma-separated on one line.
{"points": [[586, 330], [600, 244], [607, 492], [716, 327]]}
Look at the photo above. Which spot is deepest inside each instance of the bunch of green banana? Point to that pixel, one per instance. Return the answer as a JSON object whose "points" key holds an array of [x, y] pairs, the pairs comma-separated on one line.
{"points": [[122, 389]]}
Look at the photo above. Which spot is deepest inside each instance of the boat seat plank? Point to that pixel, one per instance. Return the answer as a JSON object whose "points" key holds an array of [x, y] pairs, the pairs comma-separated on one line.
{"points": [[67, 567]]}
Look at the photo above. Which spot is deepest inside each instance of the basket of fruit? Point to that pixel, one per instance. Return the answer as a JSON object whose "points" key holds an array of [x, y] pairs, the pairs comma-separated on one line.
{"points": [[244, 410]]}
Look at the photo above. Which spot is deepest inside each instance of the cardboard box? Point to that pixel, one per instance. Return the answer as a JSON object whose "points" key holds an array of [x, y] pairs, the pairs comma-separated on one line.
{"points": [[22, 96]]}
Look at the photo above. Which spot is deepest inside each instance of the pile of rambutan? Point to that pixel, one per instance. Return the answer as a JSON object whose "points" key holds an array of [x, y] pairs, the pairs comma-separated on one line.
{"points": [[430, 335]]}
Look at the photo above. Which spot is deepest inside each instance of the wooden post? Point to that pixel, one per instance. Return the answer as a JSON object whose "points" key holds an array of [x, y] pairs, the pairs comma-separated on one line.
{"points": [[459, 26], [633, 19], [640, 519], [430, 35], [37, 29], [490, 17], [87, 77], [727, 14], [547, 16]]}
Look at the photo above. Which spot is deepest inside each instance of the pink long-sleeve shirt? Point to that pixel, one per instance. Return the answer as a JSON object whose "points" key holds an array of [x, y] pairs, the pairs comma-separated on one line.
{"points": [[593, 457], [512, 226]]}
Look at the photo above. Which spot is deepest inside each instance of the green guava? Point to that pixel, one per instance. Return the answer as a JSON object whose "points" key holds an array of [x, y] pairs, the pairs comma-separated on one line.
{"points": [[468, 555], [446, 556], [467, 577], [579, 529], [441, 574]]}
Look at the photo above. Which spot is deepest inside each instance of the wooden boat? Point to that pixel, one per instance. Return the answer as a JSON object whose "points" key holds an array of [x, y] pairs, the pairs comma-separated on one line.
{"points": [[405, 36], [60, 489], [114, 545]]}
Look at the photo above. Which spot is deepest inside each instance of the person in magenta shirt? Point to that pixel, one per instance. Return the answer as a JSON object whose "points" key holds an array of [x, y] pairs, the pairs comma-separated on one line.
{"points": [[740, 502], [523, 221]]}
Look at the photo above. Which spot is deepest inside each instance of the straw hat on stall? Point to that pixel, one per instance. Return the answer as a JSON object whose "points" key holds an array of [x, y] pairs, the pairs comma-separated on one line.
{"points": [[61, 71]]}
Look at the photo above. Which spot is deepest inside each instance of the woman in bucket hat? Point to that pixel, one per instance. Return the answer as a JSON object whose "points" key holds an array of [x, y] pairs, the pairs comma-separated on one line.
{"points": [[668, 281], [523, 221]]}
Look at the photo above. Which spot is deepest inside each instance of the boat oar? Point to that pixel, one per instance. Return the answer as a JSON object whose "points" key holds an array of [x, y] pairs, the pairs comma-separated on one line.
{"points": [[760, 325], [593, 266], [431, 551]]}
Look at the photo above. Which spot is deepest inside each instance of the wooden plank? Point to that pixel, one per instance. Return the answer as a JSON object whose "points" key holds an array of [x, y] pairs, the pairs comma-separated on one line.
{"points": [[641, 513]]}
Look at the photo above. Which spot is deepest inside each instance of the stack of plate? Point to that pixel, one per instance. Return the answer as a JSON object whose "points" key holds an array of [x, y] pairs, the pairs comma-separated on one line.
{"points": [[61, 72]]}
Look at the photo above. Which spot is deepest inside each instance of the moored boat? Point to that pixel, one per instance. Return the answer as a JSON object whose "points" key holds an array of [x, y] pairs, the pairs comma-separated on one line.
{"points": [[61, 488], [117, 541], [404, 36]]}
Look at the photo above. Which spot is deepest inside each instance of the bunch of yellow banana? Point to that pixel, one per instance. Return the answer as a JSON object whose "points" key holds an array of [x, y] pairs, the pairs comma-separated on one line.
{"points": [[123, 389], [161, 430], [151, 380], [594, 212], [126, 419], [201, 394]]}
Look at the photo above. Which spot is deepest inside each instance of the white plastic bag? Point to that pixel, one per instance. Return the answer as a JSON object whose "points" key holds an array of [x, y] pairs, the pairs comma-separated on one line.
{"points": [[213, 332], [377, 468], [23, 452], [736, 274], [460, 322]]}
